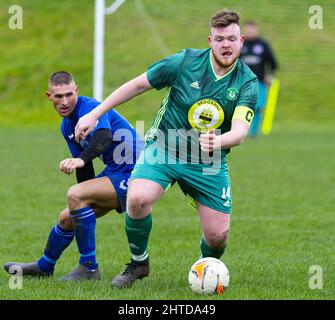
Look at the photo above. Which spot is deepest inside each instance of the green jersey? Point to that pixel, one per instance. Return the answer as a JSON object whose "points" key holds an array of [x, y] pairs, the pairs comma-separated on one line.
{"points": [[198, 100]]}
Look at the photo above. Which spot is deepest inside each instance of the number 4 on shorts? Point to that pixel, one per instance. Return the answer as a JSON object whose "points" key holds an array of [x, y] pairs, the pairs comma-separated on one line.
{"points": [[226, 193]]}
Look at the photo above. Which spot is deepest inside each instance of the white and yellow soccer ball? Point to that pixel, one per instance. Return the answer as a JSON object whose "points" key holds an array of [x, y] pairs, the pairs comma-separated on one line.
{"points": [[208, 276]]}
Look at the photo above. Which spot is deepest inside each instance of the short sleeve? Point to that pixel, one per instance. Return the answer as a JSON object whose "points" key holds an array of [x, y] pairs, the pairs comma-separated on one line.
{"points": [[103, 122], [164, 72], [249, 95]]}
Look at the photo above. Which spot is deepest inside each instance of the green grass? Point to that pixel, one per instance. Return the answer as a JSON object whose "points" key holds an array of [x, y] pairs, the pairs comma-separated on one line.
{"points": [[282, 221]]}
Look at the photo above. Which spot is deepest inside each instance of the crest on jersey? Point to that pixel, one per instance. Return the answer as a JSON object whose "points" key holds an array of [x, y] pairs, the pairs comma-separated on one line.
{"points": [[232, 93], [205, 114]]}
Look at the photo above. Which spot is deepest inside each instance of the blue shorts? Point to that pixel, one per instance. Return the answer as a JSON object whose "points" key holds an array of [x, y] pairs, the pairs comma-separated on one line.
{"points": [[120, 183]]}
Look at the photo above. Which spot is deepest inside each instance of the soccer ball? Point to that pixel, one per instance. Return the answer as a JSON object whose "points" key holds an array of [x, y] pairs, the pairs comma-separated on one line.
{"points": [[208, 276]]}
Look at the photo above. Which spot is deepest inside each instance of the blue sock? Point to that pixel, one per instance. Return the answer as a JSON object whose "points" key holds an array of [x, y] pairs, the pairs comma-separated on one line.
{"points": [[84, 230], [59, 239]]}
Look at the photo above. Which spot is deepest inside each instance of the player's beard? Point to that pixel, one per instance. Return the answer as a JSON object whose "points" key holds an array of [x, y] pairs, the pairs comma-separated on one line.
{"points": [[225, 65]]}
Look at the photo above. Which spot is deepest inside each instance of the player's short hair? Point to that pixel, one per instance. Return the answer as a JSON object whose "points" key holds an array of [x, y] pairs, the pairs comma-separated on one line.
{"points": [[224, 18], [59, 78]]}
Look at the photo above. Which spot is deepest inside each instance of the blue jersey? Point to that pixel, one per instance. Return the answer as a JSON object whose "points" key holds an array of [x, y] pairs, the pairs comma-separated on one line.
{"points": [[126, 146]]}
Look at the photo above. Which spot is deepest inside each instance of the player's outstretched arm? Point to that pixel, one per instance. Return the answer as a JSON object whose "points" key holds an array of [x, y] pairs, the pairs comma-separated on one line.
{"points": [[126, 92], [210, 141]]}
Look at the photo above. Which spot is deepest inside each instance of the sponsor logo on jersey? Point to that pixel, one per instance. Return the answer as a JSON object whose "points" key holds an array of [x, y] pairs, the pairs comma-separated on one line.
{"points": [[232, 93], [71, 136], [205, 115]]}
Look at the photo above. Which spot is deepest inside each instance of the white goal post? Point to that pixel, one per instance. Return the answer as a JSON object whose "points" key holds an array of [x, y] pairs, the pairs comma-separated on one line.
{"points": [[99, 39]]}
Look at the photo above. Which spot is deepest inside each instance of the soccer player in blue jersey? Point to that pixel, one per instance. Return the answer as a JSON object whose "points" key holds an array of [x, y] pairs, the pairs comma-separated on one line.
{"points": [[116, 142]]}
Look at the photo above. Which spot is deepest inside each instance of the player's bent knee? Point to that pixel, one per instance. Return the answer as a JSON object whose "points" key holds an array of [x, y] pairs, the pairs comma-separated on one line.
{"points": [[217, 239], [65, 221], [138, 204], [73, 197]]}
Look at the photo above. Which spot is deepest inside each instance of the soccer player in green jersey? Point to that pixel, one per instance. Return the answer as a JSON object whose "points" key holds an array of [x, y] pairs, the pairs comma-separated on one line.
{"points": [[208, 108]]}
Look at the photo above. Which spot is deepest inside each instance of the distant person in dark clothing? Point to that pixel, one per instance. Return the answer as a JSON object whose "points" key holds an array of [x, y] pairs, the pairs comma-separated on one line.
{"points": [[257, 54]]}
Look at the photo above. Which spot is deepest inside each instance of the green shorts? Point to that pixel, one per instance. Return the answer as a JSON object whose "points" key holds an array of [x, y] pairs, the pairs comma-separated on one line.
{"points": [[213, 191]]}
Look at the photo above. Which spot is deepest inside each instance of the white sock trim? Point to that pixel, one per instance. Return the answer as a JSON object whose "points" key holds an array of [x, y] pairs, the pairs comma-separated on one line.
{"points": [[141, 257]]}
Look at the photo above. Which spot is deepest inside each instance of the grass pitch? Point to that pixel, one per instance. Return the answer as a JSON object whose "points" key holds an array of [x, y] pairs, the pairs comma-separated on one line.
{"points": [[283, 185], [282, 222]]}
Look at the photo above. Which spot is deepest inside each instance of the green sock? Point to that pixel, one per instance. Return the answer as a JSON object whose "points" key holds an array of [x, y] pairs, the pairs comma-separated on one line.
{"points": [[138, 231], [207, 251]]}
